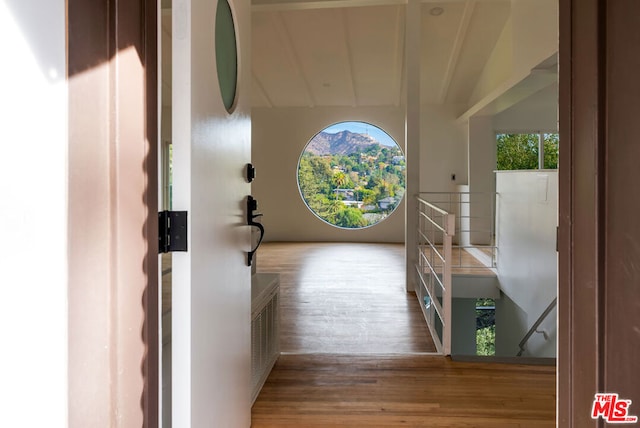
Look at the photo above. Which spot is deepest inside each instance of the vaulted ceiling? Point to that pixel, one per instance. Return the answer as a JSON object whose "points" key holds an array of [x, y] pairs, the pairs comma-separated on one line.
{"points": [[354, 56], [350, 53]]}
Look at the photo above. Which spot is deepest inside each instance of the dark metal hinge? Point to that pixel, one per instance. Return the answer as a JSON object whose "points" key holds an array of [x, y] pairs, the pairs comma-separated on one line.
{"points": [[172, 231]]}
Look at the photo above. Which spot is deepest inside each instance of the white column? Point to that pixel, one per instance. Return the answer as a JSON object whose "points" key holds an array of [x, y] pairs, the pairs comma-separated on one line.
{"points": [[540, 150], [482, 163], [412, 133]]}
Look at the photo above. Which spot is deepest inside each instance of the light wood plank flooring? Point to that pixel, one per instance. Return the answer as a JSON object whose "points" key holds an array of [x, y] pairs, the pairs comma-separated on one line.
{"points": [[343, 298], [407, 391], [462, 262]]}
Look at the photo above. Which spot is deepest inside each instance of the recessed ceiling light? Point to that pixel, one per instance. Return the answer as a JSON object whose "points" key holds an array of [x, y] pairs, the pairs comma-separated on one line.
{"points": [[436, 11]]}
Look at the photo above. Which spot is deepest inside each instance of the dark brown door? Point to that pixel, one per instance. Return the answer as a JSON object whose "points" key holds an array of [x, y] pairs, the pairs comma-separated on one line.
{"points": [[599, 278]]}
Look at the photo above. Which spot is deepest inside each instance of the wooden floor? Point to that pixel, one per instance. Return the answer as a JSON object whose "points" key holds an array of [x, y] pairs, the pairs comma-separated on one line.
{"points": [[404, 391], [345, 299], [462, 262], [347, 320]]}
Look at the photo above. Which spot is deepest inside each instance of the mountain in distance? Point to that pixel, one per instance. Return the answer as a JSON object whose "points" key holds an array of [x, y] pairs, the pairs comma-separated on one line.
{"points": [[340, 143]]}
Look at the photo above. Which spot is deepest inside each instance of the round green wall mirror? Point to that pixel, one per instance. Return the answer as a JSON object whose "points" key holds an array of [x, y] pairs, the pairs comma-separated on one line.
{"points": [[226, 54]]}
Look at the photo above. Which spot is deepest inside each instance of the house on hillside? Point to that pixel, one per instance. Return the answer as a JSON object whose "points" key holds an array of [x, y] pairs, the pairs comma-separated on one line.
{"points": [[345, 194], [386, 203]]}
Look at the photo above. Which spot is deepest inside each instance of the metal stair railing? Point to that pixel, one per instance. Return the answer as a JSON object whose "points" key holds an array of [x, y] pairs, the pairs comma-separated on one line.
{"points": [[475, 225], [436, 228], [534, 327]]}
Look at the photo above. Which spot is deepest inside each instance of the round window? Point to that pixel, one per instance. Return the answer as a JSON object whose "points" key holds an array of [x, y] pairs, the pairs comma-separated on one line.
{"points": [[226, 54], [352, 175]]}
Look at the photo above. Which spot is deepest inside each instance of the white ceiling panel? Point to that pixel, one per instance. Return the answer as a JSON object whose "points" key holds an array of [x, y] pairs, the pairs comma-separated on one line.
{"points": [[354, 56], [375, 36], [277, 71], [259, 97], [439, 37], [317, 55], [319, 41], [487, 22]]}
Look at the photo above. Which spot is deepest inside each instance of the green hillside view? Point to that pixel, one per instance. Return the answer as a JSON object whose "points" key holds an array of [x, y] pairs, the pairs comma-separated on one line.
{"points": [[350, 180]]}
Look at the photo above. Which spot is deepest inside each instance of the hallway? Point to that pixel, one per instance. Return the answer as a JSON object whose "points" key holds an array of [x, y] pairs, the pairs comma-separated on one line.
{"points": [[354, 345], [345, 298]]}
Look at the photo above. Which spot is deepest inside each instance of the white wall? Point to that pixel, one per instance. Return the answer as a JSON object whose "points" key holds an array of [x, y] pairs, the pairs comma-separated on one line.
{"points": [[443, 151], [463, 327], [535, 113], [527, 259], [535, 32], [482, 163], [499, 66], [539, 112], [279, 136], [529, 38], [33, 212]]}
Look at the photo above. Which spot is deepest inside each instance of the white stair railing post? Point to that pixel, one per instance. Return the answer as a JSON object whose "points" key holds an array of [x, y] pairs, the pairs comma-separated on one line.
{"points": [[449, 232]]}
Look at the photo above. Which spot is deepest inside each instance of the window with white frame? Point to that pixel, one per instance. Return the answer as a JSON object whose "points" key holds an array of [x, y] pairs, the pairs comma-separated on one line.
{"points": [[536, 150]]}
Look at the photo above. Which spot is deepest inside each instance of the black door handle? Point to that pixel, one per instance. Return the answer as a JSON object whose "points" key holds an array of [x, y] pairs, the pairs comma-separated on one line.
{"points": [[252, 205]]}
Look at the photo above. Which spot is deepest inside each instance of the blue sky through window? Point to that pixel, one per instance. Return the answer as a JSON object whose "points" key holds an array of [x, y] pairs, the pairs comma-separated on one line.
{"points": [[362, 128]]}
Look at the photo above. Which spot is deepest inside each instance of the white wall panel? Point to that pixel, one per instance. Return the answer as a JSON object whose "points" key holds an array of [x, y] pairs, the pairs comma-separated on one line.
{"points": [[443, 150], [527, 259], [279, 136], [539, 112]]}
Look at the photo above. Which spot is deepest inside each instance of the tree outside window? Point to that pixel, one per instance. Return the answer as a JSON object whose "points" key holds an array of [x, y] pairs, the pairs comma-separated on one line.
{"points": [[352, 175], [521, 151]]}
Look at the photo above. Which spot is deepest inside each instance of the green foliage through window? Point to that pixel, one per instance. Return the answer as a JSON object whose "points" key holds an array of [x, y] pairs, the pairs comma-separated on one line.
{"points": [[486, 341], [350, 179], [485, 327], [520, 151]]}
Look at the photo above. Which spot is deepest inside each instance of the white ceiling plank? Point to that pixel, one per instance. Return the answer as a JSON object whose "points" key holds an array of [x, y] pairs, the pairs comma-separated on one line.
{"points": [[258, 6], [357, 56], [438, 37], [373, 41], [273, 5], [285, 38], [511, 92], [349, 62], [486, 25], [317, 38], [457, 48], [399, 56], [261, 91], [274, 67]]}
